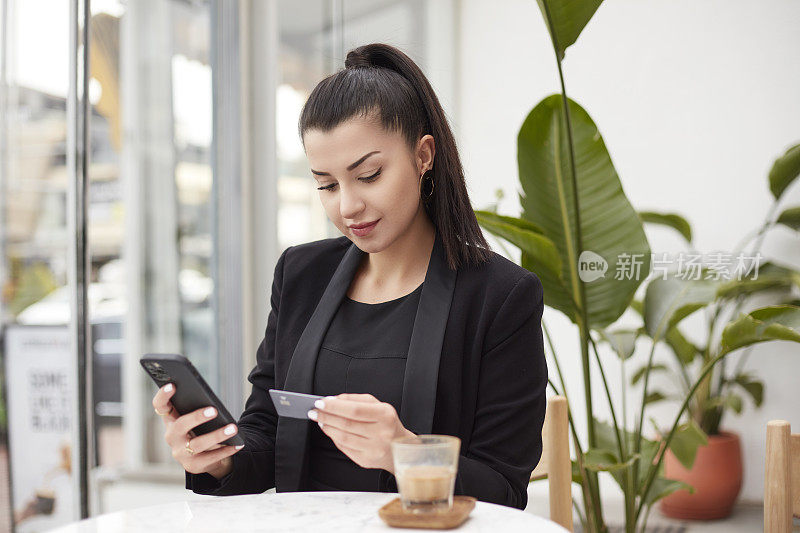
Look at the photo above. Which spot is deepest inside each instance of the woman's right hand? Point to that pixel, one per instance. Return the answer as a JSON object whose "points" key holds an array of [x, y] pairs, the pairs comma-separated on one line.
{"points": [[209, 455]]}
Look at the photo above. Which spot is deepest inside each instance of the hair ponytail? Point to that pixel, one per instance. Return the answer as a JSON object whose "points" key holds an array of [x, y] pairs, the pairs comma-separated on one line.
{"points": [[380, 78]]}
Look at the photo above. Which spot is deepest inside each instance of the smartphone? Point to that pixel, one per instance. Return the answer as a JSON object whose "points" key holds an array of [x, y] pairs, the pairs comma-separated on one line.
{"points": [[293, 404], [191, 391]]}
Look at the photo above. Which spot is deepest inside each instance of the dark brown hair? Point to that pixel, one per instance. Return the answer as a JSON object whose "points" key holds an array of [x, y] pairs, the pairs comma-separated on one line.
{"points": [[380, 80]]}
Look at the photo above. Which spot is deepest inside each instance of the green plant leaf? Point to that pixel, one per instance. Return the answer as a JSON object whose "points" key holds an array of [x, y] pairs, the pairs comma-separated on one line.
{"points": [[606, 436], [730, 401], [784, 171], [777, 322], [684, 350], [565, 20], [668, 301], [753, 386], [663, 487], [576, 472], [639, 374], [607, 441], [604, 461], [612, 233], [790, 218], [526, 236], [734, 401], [654, 397], [687, 439], [770, 277], [654, 424], [672, 220], [648, 452], [622, 341], [518, 223]]}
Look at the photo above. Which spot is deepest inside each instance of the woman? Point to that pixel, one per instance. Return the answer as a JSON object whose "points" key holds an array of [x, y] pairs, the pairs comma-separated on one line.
{"points": [[409, 325]]}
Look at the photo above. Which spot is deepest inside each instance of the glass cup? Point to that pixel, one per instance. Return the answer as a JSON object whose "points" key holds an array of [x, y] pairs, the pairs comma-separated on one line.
{"points": [[425, 469]]}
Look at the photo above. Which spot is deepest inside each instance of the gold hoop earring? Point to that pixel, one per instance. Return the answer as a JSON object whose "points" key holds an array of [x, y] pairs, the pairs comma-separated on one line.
{"points": [[427, 178]]}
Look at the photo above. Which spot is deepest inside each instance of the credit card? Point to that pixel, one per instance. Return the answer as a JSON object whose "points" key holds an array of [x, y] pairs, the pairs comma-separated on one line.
{"points": [[293, 404]]}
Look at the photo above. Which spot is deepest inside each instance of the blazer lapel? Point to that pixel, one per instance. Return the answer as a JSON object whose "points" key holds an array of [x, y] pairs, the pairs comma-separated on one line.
{"points": [[422, 364], [425, 348], [292, 433]]}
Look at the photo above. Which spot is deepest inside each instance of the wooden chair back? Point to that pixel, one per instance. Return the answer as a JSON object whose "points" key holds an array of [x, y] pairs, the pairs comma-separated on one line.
{"points": [[781, 477], [555, 464]]}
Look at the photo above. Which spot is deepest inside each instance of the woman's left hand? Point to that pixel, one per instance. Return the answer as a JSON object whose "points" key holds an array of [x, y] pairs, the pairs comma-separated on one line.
{"points": [[361, 426]]}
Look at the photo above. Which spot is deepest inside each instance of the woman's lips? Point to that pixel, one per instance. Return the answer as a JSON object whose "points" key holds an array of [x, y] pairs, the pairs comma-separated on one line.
{"points": [[362, 232]]}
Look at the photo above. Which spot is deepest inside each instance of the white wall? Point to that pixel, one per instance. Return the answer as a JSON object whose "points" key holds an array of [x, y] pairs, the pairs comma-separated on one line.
{"points": [[694, 99]]}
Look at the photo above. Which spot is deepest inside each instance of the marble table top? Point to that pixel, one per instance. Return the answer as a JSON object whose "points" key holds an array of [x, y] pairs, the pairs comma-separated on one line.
{"points": [[329, 512]]}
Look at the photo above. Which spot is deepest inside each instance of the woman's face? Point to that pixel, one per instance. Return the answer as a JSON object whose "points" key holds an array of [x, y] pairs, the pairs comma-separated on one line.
{"points": [[366, 174]]}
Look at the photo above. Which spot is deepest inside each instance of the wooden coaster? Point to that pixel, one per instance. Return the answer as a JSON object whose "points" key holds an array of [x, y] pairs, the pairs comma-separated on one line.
{"points": [[392, 513]]}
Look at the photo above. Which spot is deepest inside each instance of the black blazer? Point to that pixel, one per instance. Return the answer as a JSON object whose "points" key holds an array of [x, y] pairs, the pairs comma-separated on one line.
{"points": [[475, 369]]}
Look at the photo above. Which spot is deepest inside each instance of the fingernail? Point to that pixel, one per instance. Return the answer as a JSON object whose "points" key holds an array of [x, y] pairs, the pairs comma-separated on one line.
{"points": [[168, 387], [312, 415], [240, 447], [230, 430], [209, 412], [319, 404]]}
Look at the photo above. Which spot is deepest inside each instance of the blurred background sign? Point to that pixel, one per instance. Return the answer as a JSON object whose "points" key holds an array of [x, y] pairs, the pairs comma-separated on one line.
{"points": [[40, 394]]}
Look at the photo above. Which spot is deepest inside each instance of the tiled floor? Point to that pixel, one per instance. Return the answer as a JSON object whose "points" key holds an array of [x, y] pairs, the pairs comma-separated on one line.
{"points": [[746, 518]]}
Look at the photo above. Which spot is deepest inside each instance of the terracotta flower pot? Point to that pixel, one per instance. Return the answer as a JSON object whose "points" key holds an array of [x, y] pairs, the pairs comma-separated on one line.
{"points": [[716, 477]]}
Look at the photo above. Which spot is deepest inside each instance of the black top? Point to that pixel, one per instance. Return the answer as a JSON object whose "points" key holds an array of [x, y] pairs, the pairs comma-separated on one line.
{"points": [[364, 351]]}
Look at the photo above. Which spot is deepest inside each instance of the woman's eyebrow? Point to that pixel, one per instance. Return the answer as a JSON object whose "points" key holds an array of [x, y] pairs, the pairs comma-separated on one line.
{"points": [[351, 166]]}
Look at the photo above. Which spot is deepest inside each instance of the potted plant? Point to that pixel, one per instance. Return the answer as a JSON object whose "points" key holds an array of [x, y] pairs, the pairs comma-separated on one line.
{"points": [[576, 214], [716, 474]]}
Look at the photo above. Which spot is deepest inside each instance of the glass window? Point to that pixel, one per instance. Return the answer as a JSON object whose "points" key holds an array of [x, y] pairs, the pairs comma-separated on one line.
{"points": [[33, 271], [305, 49], [152, 205], [150, 209]]}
